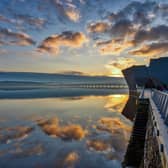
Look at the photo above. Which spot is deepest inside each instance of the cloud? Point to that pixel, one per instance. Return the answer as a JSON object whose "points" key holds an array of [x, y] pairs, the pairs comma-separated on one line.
{"points": [[154, 49], [131, 27], [113, 47], [162, 9], [23, 21], [98, 27], [133, 38], [119, 29], [5, 19], [73, 73], [72, 14], [159, 33], [19, 16], [2, 43], [32, 22], [53, 43], [15, 38], [136, 12], [67, 9], [121, 63], [114, 67], [122, 28]]}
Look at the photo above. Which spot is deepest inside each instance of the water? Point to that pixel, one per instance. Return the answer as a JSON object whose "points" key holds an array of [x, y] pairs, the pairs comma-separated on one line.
{"points": [[82, 128]]}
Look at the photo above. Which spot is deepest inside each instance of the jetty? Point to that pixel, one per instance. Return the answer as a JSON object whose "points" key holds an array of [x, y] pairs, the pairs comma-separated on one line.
{"points": [[148, 108]]}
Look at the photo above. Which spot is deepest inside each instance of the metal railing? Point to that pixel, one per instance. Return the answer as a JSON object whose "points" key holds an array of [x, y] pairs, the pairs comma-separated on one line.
{"points": [[159, 115], [158, 109], [160, 98]]}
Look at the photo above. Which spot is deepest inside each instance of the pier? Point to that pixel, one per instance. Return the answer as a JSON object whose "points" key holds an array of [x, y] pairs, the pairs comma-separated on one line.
{"points": [[147, 107], [148, 147]]}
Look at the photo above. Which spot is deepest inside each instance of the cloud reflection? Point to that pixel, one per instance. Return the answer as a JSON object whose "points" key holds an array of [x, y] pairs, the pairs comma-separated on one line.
{"points": [[98, 145], [13, 133], [67, 132], [113, 125]]}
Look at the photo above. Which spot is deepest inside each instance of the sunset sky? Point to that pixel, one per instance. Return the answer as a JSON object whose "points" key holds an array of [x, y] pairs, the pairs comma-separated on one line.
{"points": [[93, 37]]}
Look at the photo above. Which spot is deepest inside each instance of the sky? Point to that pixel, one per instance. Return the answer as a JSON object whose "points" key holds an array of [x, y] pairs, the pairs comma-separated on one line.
{"points": [[84, 37]]}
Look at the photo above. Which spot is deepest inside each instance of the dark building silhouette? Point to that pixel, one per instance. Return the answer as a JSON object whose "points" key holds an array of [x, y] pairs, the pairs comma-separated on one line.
{"points": [[155, 75], [158, 69], [136, 75]]}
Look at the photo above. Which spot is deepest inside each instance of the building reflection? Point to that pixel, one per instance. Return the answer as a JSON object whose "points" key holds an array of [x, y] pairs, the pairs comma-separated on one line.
{"points": [[130, 107]]}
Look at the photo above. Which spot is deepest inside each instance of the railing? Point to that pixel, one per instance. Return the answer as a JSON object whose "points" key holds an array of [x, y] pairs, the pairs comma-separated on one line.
{"points": [[159, 113], [161, 100]]}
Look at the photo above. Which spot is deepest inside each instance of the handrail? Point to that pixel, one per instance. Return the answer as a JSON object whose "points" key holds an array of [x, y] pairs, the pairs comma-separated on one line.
{"points": [[160, 132], [162, 92], [159, 111], [159, 115], [161, 100]]}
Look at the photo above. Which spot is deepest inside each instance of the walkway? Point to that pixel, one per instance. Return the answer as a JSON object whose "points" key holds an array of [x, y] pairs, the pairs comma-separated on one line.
{"points": [[159, 109]]}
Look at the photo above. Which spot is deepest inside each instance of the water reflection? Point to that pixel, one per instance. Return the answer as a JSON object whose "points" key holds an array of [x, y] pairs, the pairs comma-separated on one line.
{"points": [[116, 102], [64, 132], [53, 128]]}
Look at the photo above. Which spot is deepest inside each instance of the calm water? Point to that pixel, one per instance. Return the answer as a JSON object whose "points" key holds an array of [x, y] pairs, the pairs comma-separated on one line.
{"points": [[73, 131]]}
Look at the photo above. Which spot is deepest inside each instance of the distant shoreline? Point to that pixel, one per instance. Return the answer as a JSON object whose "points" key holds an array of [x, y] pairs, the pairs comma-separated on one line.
{"points": [[57, 92]]}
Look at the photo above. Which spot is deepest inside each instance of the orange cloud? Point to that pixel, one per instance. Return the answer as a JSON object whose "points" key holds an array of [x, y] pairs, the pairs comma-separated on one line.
{"points": [[98, 27], [72, 14], [154, 49], [121, 63], [15, 38], [114, 47], [115, 66], [67, 9], [53, 43]]}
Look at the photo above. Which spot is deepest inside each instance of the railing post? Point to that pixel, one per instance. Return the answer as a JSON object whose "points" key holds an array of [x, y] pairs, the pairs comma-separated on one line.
{"points": [[164, 106], [166, 117]]}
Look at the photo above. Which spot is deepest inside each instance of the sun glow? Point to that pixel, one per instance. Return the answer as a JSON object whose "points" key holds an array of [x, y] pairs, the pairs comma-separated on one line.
{"points": [[116, 102], [114, 72]]}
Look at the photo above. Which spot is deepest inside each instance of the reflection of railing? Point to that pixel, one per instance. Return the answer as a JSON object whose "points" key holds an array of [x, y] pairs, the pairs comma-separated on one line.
{"points": [[142, 92], [161, 101]]}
